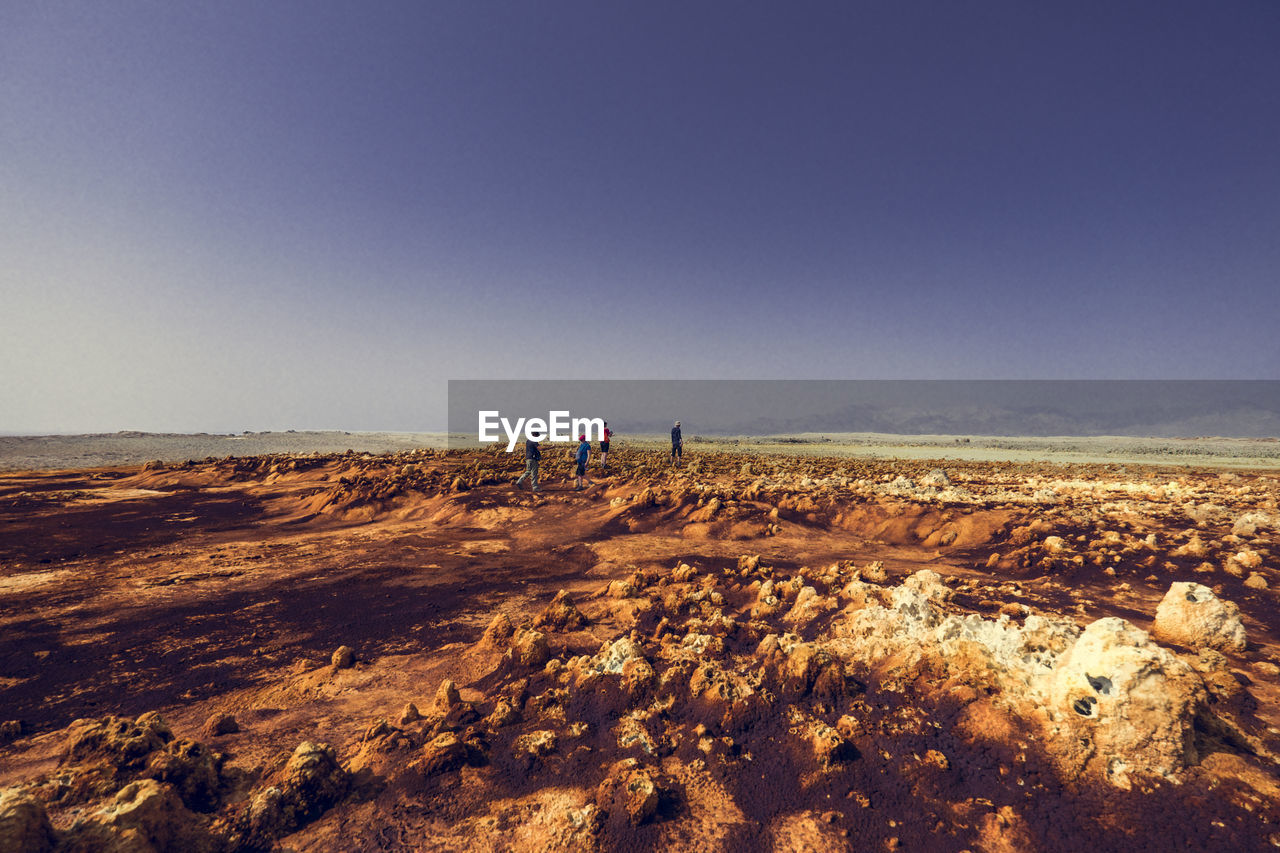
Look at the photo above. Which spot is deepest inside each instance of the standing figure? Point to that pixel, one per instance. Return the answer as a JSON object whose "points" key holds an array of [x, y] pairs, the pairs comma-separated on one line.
{"points": [[677, 444], [532, 454], [580, 463], [604, 446]]}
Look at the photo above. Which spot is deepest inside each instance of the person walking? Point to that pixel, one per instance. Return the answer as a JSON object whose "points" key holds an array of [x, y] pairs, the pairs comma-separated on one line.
{"points": [[677, 445], [580, 461], [532, 455], [604, 446]]}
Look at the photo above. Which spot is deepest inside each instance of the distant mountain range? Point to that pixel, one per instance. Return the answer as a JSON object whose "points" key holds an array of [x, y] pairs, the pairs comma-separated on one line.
{"points": [[1166, 409], [1241, 422]]}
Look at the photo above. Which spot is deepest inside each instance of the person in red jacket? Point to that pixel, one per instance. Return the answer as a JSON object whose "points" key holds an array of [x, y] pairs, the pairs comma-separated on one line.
{"points": [[604, 445]]}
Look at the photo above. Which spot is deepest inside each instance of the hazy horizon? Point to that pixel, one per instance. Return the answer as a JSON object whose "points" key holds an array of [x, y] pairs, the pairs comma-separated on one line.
{"points": [[903, 407], [232, 216]]}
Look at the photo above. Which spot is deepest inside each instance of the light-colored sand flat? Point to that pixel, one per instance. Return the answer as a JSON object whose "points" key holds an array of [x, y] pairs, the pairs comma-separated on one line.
{"points": [[54, 452], [1088, 450], [57, 452]]}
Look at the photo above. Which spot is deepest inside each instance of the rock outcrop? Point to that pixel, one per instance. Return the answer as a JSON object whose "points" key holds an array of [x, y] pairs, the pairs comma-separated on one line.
{"points": [[105, 754], [144, 816], [1123, 703], [308, 784], [561, 614], [24, 824], [1192, 616], [1108, 699]]}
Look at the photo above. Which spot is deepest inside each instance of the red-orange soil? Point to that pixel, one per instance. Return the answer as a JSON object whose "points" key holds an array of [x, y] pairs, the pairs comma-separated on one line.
{"points": [[697, 686]]}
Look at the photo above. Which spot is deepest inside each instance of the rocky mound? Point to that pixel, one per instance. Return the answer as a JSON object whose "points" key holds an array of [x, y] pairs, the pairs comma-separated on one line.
{"points": [[753, 691], [825, 693], [155, 792]]}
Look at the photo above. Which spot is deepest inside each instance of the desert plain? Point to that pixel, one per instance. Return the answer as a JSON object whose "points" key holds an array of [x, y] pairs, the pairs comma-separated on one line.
{"points": [[798, 645]]}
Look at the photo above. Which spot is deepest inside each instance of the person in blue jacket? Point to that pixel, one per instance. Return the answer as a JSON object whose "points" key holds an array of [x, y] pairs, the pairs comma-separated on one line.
{"points": [[580, 460]]}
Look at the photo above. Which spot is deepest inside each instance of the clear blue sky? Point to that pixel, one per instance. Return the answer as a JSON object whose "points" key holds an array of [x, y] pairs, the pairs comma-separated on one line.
{"points": [[264, 215]]}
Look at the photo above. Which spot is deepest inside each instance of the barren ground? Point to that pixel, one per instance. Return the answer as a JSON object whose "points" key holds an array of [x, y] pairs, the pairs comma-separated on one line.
{"points": [[744, 657]]}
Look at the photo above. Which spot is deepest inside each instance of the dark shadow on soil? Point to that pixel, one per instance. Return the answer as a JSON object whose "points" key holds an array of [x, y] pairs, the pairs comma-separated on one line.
{"points": [[136, 660], [55, 533]]}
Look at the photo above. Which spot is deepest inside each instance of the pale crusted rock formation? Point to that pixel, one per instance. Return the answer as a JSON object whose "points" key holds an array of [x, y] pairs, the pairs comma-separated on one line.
{"points": [[936, 478], [1108, 699], [809, 605], [1119, 699], [24, 825], [144, 816], [1191, 615]]}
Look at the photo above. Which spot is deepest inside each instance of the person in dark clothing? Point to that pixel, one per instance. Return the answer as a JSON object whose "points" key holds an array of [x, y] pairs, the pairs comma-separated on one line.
{"points": [[677, 444], [604, 446], [532, 455], [580, 462]]}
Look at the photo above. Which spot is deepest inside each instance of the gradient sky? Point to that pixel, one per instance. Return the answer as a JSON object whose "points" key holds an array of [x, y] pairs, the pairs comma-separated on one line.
{"points": [[270, 215]]}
